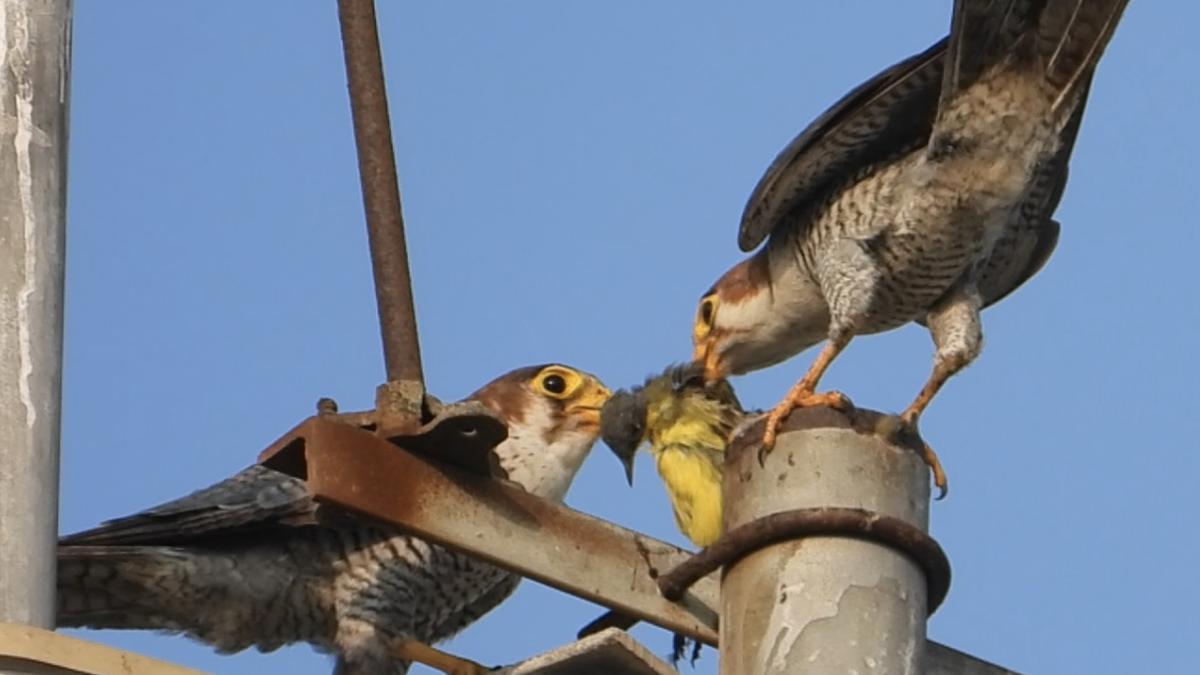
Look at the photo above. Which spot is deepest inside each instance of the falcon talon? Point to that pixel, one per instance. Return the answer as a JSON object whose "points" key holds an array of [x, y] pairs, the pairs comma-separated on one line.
{"points": [[763, 451], [801, 398], [935, 465], [939, 474], [902, 429]]}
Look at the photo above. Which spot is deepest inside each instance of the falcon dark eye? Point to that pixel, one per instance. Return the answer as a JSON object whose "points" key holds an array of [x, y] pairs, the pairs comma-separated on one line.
{"points": [[706, 312], [554, 384]]}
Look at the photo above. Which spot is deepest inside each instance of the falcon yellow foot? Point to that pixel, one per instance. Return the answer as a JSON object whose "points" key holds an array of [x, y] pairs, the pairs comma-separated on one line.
{"points": [[413, 650], [801, 396], [909, 420], [935, 465]]}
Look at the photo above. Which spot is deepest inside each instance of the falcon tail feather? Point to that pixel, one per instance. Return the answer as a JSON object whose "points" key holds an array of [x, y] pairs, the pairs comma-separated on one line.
{"points": [[110, 586], [1059, 40]]}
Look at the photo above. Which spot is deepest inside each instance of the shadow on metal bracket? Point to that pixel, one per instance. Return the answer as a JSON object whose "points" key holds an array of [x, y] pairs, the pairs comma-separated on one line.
{"points": [[460, 434]]}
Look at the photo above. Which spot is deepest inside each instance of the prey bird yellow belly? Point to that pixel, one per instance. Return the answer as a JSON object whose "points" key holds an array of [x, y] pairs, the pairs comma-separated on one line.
{"points": [[686, 425]]}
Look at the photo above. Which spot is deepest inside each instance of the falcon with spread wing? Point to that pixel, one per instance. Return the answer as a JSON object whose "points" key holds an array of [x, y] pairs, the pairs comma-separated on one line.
{"points": [[925, 194]]}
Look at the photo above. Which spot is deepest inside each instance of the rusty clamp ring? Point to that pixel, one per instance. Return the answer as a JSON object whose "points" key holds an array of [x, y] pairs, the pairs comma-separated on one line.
{"points": [[816, 522]]}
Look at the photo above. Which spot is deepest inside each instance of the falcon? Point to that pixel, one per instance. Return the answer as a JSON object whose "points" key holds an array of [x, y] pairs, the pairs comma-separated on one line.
{"points": [[925, 194], [240, 564]]}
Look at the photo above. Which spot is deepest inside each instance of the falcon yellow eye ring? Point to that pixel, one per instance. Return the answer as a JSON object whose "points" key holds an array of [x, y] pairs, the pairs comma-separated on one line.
{"points": [[706, 313], [557, 382]]}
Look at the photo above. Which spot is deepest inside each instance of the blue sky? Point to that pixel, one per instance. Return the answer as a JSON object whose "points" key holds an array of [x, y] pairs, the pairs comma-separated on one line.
{"points": [[573, 177]]}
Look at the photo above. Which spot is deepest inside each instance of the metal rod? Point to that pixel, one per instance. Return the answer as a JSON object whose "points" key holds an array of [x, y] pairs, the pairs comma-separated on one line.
{"points": [[824, 604], [381, 191], [34, 67]]}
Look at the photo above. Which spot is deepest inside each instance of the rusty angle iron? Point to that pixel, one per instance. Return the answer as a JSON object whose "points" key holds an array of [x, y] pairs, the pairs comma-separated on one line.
{"points": [[456, 504]]}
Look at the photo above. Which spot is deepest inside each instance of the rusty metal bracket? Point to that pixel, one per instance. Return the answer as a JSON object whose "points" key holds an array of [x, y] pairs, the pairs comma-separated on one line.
{"points": [[353, 469], [816, 522], [461, 434]]}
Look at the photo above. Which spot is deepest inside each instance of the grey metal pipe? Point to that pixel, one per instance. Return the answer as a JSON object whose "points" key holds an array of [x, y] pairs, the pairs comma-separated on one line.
{"points": [[35, 38], [824, 604]]}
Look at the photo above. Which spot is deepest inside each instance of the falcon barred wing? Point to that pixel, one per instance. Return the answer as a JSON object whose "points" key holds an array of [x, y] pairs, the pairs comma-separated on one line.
{"points": [[254, 499], [890, 114], [1018, 256]]}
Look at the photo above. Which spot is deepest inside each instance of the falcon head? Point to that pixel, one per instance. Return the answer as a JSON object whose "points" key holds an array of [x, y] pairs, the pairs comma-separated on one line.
{"points": [[750, 320], [553, 417]]}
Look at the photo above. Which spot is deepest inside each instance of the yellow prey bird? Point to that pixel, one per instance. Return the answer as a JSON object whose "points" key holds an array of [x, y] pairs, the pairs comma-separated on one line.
{"points": [[687, 424]]}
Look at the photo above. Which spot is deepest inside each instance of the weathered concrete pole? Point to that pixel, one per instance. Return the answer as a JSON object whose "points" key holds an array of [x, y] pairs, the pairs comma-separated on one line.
{"points": [[824, 604], [35, 50]]}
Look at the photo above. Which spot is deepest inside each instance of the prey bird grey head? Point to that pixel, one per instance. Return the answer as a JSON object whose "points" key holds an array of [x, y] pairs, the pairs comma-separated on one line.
{"points": [[625, 418], [623, 427]]}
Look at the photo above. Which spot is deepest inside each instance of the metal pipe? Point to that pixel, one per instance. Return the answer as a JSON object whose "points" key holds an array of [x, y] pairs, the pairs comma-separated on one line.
{"points": [[381, 191], [35, 49], [824, 604]]}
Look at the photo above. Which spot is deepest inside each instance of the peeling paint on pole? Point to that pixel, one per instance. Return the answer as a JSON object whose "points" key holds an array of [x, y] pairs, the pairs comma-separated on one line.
{"points": [[34, 66], [824, 604]]}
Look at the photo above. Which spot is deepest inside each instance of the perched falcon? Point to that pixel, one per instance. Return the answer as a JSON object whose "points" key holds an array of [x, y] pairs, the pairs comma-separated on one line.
{"points": [[687, 424], [924, 195], [240, 565]]}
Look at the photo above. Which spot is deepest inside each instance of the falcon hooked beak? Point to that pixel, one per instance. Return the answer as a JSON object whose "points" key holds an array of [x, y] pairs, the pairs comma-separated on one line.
{"points": [[751, 319]]}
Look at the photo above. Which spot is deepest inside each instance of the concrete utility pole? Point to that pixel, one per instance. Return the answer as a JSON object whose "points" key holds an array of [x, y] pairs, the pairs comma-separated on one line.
{"points": [[35, 51], [826, 604]]}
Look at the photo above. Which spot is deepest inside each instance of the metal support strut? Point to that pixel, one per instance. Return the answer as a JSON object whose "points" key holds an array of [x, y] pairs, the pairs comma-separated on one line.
{"points": [[35, 63], [399, 403]]}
